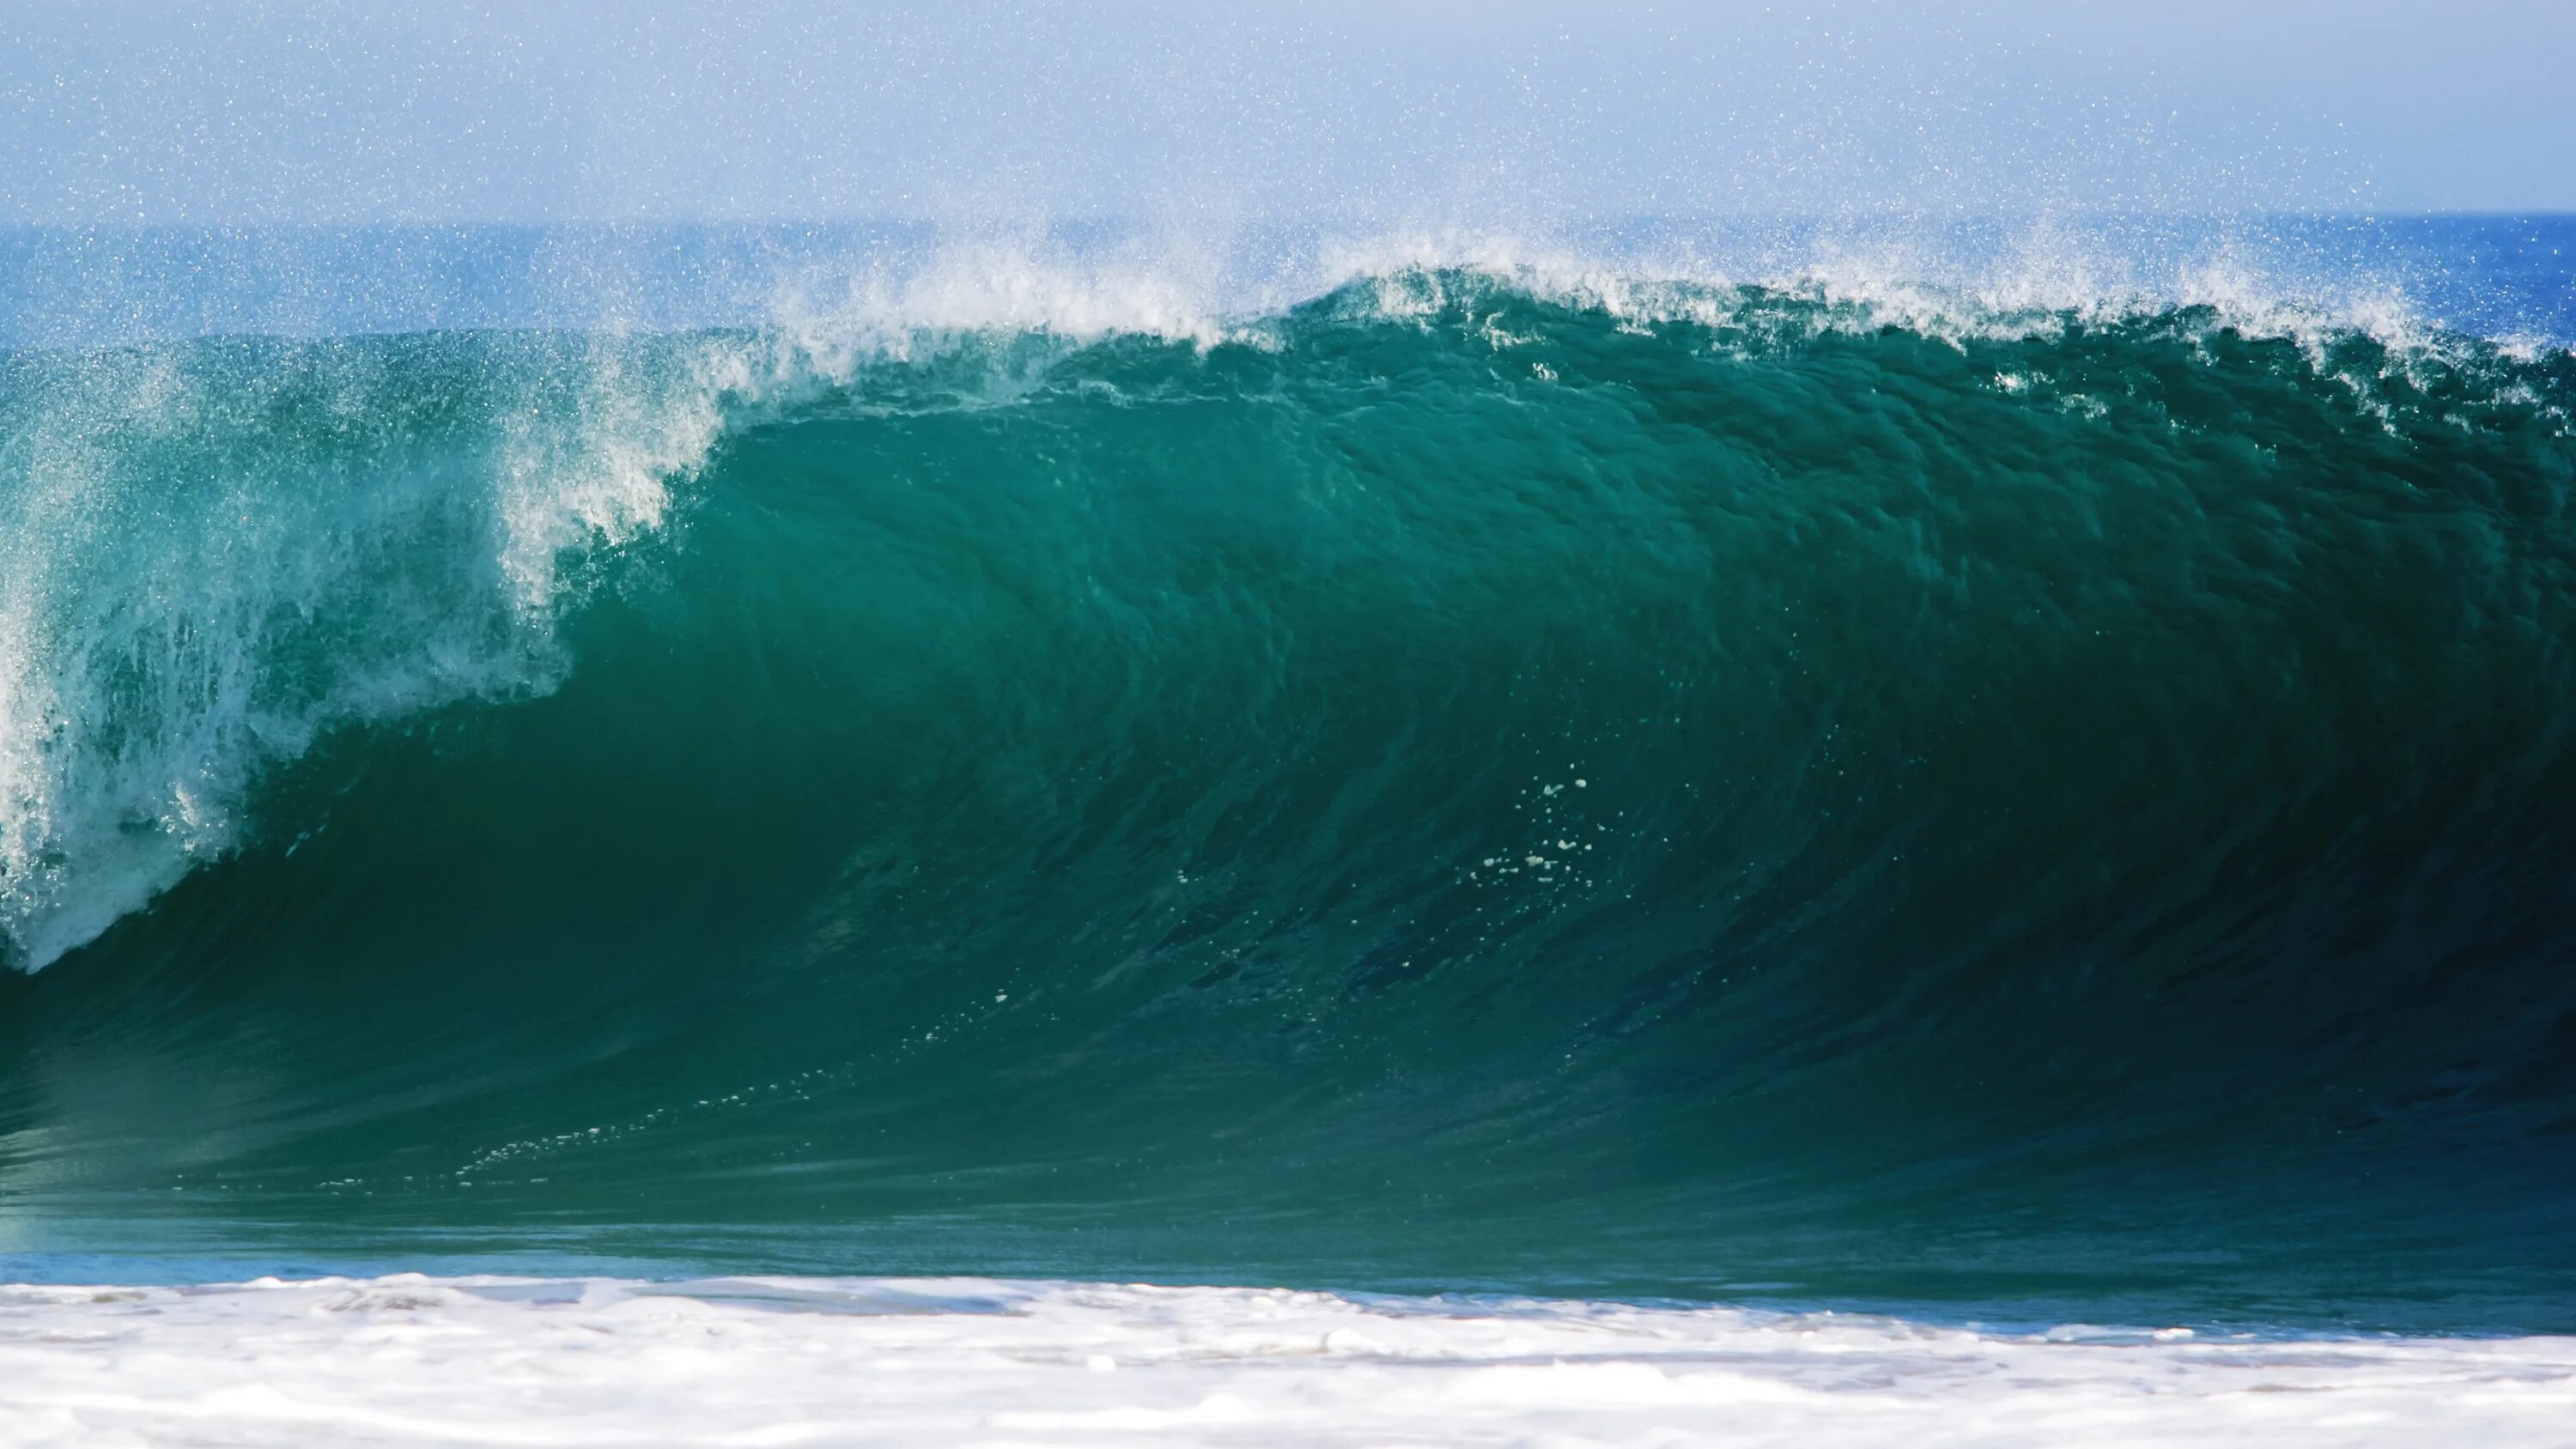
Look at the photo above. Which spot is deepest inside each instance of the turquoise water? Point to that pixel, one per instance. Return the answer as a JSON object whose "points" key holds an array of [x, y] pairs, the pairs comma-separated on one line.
{"points": [[1681, 789]]}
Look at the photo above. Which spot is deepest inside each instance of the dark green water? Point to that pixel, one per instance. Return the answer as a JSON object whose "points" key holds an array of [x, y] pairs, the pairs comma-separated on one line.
{"points": [[1450, 787]]}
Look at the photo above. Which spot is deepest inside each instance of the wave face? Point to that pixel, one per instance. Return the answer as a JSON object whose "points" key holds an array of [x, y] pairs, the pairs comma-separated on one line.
{"points": [[1647, 788]]}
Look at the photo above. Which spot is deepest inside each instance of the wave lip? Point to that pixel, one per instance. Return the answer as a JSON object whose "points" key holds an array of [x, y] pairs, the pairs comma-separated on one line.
{"points": [[217, 551], [944, 1360]]}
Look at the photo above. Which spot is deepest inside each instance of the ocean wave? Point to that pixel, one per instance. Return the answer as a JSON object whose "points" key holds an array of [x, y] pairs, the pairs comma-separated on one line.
{"points": [[1512, 732], [442, 484]]}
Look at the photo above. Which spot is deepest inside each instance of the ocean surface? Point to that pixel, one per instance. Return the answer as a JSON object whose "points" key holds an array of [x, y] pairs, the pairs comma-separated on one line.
{"points": [[2000, 779]]}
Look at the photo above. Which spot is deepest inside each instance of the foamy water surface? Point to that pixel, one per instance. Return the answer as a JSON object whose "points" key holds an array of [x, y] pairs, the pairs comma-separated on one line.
{"points": [[784, 1361]]}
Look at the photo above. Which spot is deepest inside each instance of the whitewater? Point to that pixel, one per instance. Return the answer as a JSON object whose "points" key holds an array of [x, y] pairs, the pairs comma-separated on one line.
{"points": [[491, 1360]]}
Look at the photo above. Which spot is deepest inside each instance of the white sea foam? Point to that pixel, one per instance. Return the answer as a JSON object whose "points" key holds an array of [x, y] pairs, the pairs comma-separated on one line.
{"points": [[413, 1360]]}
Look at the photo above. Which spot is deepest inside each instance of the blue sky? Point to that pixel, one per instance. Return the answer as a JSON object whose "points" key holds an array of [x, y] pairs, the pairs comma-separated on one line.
{"points": [[1446, 111]]}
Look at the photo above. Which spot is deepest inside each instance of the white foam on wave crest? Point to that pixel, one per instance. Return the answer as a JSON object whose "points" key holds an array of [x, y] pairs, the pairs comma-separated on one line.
{"points": [[779, 1361], [2036, 283], [2036, 280], [2039, 283]]}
